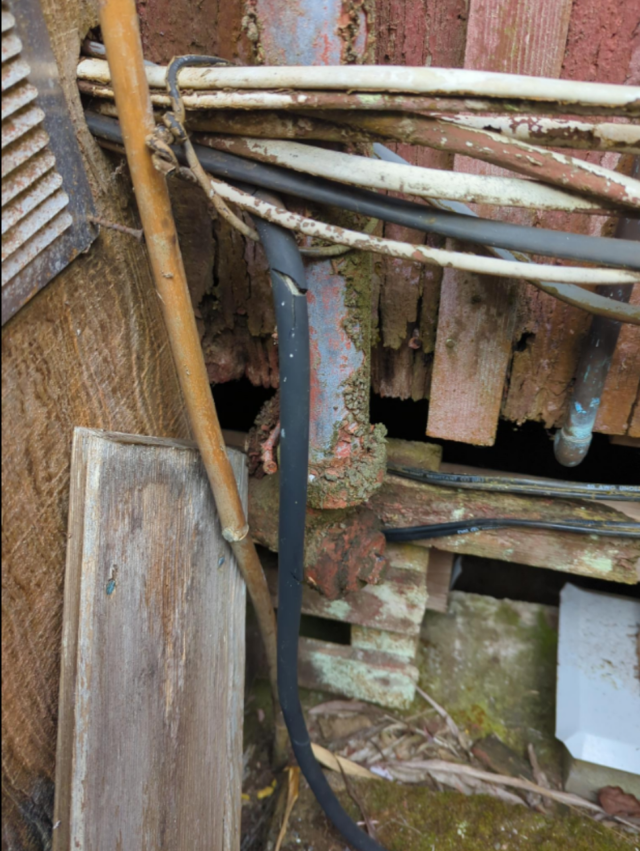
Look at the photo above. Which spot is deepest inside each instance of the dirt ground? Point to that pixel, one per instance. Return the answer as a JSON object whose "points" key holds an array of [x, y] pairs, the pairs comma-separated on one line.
{"points": [[491, 666]]}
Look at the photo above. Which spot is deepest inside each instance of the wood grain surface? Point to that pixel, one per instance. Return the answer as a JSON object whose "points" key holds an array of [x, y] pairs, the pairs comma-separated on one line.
{"points": [[623, 381], [402, 503], [477, 315], [415, 33], [89, 350], [152, 679], [603, 45]]}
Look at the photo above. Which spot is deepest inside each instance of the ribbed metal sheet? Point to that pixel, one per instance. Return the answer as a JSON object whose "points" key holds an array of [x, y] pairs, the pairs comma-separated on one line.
{"points": [[42, 228]]}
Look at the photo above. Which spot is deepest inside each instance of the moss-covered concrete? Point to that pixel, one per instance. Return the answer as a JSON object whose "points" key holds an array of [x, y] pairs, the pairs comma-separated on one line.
{"points": [[492, 664], [417, 819], [414, 818]]}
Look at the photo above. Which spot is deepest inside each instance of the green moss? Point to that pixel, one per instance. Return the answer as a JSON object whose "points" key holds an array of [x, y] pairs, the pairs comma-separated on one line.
{"points": [[417, 819], [492, 664]]}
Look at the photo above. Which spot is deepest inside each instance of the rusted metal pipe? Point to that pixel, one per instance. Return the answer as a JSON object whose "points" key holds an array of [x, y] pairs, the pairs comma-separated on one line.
{"points": [[572, 441], [557, 133], [568, 293], [408, 179], [120, 29]]}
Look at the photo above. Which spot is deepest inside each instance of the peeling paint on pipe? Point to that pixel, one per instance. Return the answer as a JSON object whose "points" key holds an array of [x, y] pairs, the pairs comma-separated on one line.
{"points": [[347, 456]]}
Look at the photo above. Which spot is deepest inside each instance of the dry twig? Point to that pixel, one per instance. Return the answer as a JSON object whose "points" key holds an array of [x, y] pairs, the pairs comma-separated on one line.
{"points": [[293, 791]]}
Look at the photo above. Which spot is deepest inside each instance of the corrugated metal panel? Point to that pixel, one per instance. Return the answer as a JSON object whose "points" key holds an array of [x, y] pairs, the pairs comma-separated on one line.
{"points": [[45, 195]]}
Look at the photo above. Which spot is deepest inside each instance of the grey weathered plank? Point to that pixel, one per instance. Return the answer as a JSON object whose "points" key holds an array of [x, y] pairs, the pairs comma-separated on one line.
{"points": [[380, 677], [396, 604], [150, 729]]}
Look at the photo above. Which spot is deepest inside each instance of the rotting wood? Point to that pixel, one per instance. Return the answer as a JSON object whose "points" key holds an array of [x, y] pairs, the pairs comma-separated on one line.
{"points": [[601, 44], [439, 579], [404, 503], [477, 316], [623, 381], [395, 605], [364, 674], [368, 638], [343, 547], [631, 509], [153, 649]]}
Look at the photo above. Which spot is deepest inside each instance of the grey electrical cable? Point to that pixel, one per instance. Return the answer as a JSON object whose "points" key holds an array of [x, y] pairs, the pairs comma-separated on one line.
{"points": [[467, 226], [519, 485]]}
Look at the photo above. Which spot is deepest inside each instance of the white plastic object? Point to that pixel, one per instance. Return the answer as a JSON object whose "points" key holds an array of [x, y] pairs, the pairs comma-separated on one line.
{"points": [[598, 696]]}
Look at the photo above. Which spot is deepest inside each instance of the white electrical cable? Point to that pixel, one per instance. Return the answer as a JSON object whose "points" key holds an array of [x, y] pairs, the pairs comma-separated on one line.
{"points": [[493, 147], [409, 179], [387, 78], [556, 133], [422, 254]]}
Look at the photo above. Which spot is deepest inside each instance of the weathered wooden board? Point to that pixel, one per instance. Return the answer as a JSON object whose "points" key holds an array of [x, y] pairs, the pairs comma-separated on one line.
{"points": [[401, 502], [419, 33], [385, 678], [366, 638], [89, 350], [439, 579], [630, 509], [634, 428], [152, 680], [396, 604], [623, 382], [602, 45], [477, 315]]}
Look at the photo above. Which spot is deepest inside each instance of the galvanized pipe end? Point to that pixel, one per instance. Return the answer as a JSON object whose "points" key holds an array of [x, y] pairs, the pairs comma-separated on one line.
{"points": [[570, 445]]}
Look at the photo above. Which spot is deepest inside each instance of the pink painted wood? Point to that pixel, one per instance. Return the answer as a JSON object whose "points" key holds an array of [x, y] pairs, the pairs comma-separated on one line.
{"points": [[603, 45], [413, 33], [477, 315], [623, 381]]}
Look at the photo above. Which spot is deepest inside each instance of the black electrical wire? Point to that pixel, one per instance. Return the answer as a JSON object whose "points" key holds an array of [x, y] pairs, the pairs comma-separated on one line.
{"points": [[507, 484], [288, 280], [542, 241], [609, 529]]}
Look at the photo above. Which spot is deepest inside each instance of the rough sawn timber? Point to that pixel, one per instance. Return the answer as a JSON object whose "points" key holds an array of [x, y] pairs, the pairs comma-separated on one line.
{"points": [[477, 315], [401, 502], [152, 682], [414, 33], [89, 350], [603, 45]]}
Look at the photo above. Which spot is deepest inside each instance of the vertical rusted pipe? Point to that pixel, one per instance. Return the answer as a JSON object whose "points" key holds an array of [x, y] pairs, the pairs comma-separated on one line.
{"points": [[573, 440], [120, 29], [347, 456]]}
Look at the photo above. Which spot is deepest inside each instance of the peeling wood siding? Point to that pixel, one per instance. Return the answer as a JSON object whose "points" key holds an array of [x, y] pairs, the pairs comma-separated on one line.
{"points": [[527, 368], [603, 44], [477, 316], [414, 33], [623, 382]]}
